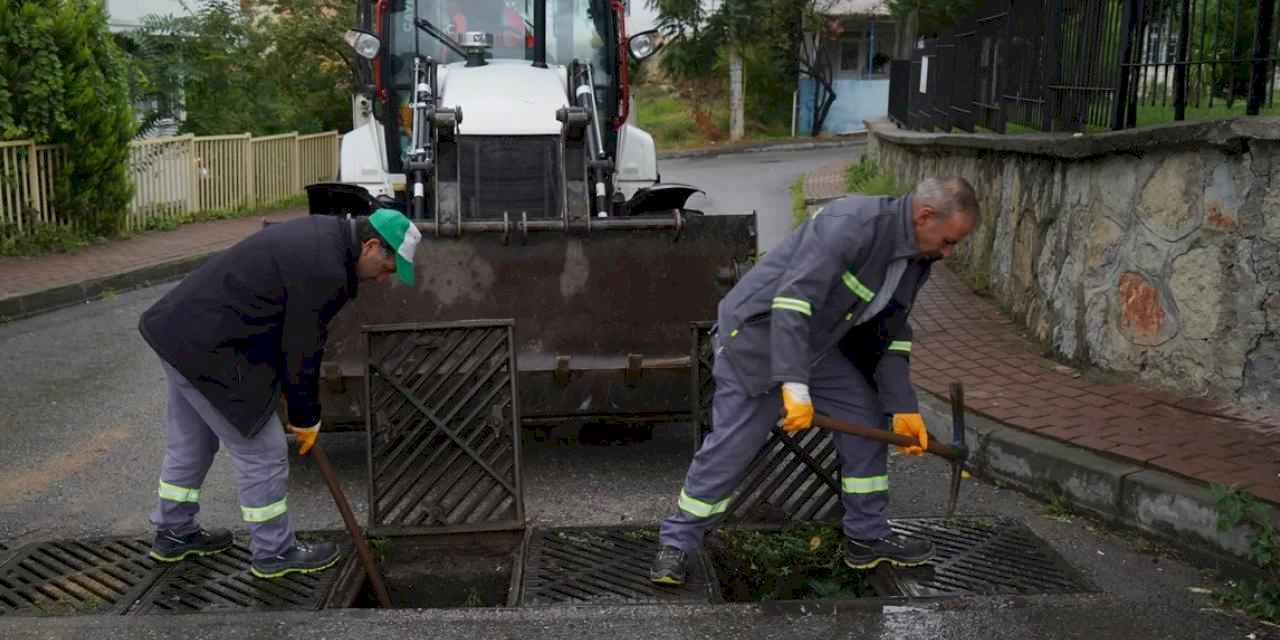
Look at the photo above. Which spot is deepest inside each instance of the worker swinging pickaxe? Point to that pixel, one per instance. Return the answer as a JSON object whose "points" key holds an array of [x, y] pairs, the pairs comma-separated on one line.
{"points": [[957, 453]]}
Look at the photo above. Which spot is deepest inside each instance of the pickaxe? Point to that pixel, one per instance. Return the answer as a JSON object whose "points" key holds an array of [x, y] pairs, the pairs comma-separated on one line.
{"points": [[957, 453]]}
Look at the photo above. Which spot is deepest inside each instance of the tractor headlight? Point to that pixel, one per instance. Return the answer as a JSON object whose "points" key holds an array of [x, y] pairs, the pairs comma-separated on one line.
{"points": [[365, 44]]}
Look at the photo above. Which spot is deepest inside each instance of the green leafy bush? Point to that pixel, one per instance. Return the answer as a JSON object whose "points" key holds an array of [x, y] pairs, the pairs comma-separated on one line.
{"points": [[64, 81]]}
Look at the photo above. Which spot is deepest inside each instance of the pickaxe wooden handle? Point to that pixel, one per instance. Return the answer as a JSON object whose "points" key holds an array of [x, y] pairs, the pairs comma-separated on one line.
{"points": [[936, 446]]}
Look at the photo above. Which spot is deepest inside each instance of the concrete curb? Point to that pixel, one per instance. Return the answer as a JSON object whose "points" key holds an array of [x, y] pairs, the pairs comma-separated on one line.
{"points": [[25, 305], [852, 140], [1118, 491]]}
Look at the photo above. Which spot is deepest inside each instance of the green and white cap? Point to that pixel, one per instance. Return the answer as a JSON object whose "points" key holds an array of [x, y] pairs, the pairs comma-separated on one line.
{"points": [[402, 235]]}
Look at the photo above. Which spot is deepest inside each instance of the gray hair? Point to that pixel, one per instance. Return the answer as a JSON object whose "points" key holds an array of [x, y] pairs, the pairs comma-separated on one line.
{"points": [[947, 196]]}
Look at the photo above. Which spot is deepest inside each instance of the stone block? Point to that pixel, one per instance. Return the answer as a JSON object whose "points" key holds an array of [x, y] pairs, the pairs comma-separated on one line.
{"points": [[1227, 191], [1102, 247], [1170, 202], [1141, 316], [1115, 182], [1196, 285]]}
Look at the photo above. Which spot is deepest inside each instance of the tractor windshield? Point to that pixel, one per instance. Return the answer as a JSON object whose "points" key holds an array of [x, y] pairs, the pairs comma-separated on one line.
{"points": [[576, 29]]}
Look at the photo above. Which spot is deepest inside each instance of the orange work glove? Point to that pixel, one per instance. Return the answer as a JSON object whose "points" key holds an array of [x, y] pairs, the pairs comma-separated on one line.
{"points": [[911, 424], [799, 408], [306, 437]]}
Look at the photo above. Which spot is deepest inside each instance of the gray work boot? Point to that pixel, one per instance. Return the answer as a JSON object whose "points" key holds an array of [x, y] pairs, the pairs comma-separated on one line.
{"points": [[300, 558], [668, 566], [171, 547], [894, 548]]}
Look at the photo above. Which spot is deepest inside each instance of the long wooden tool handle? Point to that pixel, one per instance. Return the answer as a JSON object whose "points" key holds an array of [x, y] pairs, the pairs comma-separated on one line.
{"points": [[936, 447], [362, 545]]}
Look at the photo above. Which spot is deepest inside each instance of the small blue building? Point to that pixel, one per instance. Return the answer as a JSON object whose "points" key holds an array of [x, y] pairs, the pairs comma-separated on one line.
{"points": [[859, 39]]}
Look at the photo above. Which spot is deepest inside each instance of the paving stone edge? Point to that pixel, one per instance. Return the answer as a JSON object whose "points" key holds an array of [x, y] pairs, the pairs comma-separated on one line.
{"points": [[1121, 492], [25, 305]]}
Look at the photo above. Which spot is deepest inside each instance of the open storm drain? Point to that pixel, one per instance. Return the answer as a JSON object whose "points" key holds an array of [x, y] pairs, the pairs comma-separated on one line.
{"points": [[602, 565], [222, 582], [75, 577], [981, 556]]}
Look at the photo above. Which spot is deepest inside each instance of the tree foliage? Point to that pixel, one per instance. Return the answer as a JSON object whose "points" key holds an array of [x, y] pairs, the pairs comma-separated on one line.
{"points": [[64, 81], [281, 67], [698, 37]]}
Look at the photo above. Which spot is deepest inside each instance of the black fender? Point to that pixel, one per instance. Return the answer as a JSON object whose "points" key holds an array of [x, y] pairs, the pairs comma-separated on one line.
{"points": [[342, 199], [661, 197]]}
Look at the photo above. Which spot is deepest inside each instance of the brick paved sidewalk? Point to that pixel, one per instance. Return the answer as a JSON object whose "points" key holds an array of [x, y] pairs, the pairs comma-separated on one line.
{"points": [[20, 276], [827, 182], [962, 337]]}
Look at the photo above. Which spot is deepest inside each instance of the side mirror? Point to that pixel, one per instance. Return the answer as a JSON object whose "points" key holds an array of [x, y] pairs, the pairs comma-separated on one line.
{"points": [[365, 44], [644, 44]]}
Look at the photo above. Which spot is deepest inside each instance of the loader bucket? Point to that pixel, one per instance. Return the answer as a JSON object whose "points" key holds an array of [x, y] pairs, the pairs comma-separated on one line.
{"points": [[602, 318]]}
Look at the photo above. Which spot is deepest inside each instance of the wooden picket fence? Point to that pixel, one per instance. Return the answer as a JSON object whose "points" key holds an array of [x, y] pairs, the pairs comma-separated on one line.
{"points": [[173, 176]]}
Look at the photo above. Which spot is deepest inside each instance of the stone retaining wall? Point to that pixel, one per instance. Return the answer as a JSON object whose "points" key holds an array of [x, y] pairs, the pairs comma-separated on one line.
{"points": [[1154, 252]]}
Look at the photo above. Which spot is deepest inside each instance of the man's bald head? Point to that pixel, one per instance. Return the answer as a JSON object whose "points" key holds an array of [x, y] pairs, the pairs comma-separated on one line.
{"points": [[943, 211], [947, 196]]}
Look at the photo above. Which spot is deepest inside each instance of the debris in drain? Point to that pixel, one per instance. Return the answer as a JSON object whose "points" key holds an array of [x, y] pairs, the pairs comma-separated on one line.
{"points": [[423, 573], [799, 562]]}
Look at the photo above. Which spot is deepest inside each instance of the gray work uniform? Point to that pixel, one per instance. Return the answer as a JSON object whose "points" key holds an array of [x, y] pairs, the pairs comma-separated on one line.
{"points": [[828, 308], [194, 428]]}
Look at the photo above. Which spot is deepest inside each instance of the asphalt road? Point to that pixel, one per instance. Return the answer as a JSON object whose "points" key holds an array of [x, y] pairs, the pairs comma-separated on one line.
{"points": [[746, 182], [81, 441]]}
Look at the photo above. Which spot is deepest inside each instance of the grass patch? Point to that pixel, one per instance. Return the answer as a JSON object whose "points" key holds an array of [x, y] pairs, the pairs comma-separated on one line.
{"points": [[800, 562], [799, 212], [864, 177], [1058, 508], [45, 239], [668, 118], [1257, 596]]}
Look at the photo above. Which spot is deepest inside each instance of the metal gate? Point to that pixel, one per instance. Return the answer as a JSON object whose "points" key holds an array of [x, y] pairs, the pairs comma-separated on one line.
{"points": [[443, 428], [794, 477]]}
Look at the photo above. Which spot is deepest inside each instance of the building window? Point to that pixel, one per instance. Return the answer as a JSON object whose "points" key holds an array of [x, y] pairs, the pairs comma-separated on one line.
{"points": [[853, 53]]}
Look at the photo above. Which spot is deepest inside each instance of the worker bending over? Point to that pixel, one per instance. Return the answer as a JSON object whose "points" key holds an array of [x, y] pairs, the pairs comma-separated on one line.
{"points": [[822, 322], [246, 325]]}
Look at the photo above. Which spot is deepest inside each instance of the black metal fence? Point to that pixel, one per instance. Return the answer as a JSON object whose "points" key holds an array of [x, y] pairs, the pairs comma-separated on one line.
{"points": [[1081, 65]]}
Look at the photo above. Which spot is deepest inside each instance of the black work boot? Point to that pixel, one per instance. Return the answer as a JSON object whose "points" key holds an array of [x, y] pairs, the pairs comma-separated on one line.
{"points": [[668, 566], [300, 558], [171, 547], [894, 548]]}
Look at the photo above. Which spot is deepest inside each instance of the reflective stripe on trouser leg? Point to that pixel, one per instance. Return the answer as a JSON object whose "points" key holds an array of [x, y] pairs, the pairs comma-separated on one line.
{"points": [[190, 446], [838, 389], [262, 472], [741, 427]]}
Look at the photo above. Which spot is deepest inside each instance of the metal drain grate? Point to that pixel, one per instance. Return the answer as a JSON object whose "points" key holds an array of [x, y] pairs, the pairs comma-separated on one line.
{"points": [[222, 582], [75, 577], [444, 451], [602, 566], [981, 556], [792, 478]]}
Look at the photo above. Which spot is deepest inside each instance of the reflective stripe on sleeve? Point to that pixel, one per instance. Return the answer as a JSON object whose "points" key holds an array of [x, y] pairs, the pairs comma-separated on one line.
{"points": [[793, 304], [857, 287]]}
